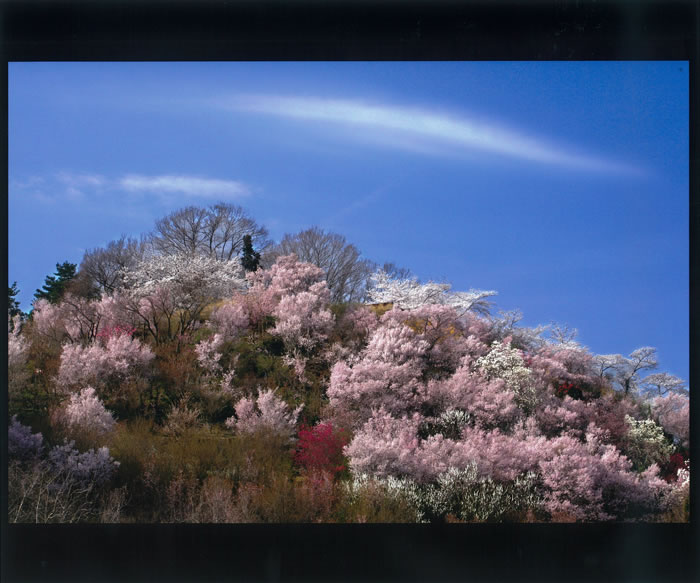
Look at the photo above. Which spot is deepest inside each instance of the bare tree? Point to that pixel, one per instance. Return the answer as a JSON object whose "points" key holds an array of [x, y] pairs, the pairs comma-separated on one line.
{"points": [[104, 266], [216, 231], [347, 273]]}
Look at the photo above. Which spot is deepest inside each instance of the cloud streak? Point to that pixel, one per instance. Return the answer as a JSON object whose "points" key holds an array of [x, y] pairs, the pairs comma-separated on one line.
{"points": [[185, 185], [83, 187], [457, 132]]}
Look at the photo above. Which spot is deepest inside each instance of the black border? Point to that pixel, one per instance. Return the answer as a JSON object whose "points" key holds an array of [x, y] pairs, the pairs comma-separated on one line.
{"points": [[361, 30]]}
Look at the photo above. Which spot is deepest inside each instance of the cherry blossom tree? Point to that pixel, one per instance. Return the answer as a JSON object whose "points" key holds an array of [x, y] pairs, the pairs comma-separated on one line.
{"points": [[387, 374], [303, 319], [625, 371], [662, 384]]}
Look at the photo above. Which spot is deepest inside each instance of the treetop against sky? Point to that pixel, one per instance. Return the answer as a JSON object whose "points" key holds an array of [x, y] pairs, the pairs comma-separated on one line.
{"points": [[562, 185]]}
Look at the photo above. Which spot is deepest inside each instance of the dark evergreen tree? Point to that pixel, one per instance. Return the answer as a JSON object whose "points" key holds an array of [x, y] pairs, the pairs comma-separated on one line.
{"points": [[250, 259], [12, 303], [55, 285]]}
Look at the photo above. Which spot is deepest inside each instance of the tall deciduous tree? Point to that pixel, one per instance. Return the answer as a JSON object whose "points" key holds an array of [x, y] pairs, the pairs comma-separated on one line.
{"points": [[104, 266], [216, 231], [55, 285], [345, 270]]}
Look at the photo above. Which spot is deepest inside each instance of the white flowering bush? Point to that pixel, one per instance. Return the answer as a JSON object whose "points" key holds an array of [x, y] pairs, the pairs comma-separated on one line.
{"points": [[85, 411], [646, 443], [409, 294], [506, 363]]}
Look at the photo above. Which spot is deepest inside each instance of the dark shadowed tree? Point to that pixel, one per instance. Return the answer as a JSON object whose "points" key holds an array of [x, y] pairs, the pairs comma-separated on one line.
{"points": [[347, 273], [216, 231], [55, 285], [12, 303], [250, 258]]}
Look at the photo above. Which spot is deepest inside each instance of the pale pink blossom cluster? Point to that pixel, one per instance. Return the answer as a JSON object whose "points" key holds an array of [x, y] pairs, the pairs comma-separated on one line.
{"points": [[85, 410], [120, 357], [673, 414], [387, 374], [208, 355], [303, 319], [267, 413], [16, 344], [230, 320]]}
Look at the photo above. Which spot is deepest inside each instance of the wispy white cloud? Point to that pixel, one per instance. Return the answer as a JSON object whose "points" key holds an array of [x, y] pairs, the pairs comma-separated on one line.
{"points": [[82, 188], [184, 185], [80, 180], [429, 127]]}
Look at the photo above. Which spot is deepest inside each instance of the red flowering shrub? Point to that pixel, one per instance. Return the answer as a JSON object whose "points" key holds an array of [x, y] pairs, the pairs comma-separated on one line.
{"points": [[676, 462], [321, 448]]}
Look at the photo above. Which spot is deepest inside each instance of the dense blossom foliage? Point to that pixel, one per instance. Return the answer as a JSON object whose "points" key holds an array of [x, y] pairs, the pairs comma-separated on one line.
{"points": [[85, 410], [119, 357]]}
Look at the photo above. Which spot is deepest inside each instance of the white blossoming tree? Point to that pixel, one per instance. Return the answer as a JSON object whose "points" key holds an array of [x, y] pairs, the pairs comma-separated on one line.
{"points": [[166, 294], [409, 294]]}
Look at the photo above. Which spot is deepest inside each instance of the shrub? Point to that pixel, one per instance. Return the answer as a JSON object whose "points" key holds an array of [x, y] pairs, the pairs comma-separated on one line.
{"points": [[320, 448]]}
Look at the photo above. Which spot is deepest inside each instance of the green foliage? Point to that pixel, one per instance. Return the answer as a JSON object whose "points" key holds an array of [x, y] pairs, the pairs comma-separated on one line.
{"points": [[55, 285]]}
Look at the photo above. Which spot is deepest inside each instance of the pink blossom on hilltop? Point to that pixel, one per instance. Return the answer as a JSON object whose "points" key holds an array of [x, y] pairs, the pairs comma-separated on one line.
{"points": [[672, 412], [47, 320], [272, 414], [387, 375], [303, 319], [490, 402], [85, 410], [288, 276], [74, 318], [477, 326], [230, 320], [555, 416]]}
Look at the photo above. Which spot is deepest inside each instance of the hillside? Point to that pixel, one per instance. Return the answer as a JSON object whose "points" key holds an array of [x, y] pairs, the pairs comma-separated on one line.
{"points": [[198, 392]]}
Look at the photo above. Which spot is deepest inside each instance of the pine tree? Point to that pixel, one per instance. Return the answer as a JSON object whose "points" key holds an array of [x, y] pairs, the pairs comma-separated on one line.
{"points": [[250, 259], [12, 303], [55, 285]]}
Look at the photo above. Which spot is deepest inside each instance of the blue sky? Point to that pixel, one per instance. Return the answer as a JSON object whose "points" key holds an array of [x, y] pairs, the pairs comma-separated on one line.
{"points": [[563, 186]]}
